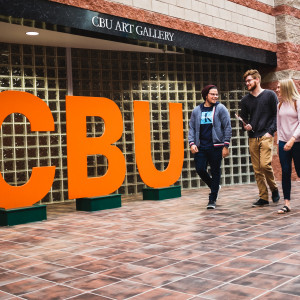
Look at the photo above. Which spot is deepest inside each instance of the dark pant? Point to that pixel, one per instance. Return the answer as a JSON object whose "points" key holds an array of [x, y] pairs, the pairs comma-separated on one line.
{"points": [[286, 158], [213, 157]]}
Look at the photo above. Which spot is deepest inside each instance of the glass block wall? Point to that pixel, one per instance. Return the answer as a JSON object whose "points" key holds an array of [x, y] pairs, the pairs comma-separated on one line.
{"points": [[40, 71], [159, 79], [122, 77]]}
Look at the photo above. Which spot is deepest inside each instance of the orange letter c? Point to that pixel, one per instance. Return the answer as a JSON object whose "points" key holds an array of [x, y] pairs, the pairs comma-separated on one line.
{"points": [[41, 119]]}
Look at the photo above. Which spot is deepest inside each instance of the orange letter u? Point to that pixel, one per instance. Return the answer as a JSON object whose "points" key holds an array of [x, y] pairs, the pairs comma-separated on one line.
{"points": [[148, 172]]}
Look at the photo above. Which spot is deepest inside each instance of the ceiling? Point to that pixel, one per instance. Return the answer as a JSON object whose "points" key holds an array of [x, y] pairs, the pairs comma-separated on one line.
{"points": [[12, 33]]}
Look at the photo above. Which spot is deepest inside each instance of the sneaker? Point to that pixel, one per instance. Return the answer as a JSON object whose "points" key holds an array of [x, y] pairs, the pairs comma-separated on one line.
{"points": [[211, 204], [219, 192], [260, 202], [275, 196]]}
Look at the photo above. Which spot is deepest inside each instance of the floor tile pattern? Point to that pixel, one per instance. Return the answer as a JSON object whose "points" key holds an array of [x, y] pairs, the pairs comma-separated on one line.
{"points": [[173, 249]]}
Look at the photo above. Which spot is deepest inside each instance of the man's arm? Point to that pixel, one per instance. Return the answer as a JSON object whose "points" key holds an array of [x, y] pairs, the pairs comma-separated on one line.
{"points": [[192, 133], [192, 130], [226, 124], [273, 110], [245, 115], [244, 112]]}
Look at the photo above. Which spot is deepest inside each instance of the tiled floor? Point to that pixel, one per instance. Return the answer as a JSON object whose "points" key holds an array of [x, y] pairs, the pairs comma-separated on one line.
{"points": [[172, 250]]}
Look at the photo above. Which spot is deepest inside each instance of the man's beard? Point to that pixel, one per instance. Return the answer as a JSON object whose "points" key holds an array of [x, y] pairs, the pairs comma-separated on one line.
{"points": [[253, 87]]}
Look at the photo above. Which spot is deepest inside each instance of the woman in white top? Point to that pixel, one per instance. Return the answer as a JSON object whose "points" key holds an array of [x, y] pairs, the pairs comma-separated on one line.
{"points": [[288, 133]]}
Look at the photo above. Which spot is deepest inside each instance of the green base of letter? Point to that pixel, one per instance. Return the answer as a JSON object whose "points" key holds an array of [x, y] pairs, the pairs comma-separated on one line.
{"points": [[162, 193], [99, 203], [16, 216]]}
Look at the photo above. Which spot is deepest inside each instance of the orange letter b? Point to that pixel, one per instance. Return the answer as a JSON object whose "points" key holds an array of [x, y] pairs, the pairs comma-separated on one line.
{"points": [[80, 146]]}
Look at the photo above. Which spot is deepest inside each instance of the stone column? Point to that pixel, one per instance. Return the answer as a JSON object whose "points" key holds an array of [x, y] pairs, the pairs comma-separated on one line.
{"points": [[287, 13], [287, 16]]}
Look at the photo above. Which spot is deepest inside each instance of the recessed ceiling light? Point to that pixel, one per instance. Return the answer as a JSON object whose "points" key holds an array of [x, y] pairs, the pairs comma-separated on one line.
{"points": [[32, 33]]}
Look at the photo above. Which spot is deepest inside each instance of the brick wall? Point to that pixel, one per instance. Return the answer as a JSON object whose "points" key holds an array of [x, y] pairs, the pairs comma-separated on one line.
{"points": [[244, 22]]}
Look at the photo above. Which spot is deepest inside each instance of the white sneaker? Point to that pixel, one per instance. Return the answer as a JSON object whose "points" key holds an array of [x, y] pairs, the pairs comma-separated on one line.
{"points": [[211, 205], [218, 192]]}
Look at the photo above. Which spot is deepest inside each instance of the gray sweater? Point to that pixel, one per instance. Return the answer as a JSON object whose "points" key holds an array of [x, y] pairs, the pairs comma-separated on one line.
{"points": [[221, 126]]}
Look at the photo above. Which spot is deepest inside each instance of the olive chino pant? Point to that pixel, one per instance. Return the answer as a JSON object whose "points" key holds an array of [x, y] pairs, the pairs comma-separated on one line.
{"points": [[261, 157]]}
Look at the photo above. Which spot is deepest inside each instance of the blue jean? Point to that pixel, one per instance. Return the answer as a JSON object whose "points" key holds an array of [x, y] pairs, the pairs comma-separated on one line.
{"points": [[286, 158], [213, 157]]}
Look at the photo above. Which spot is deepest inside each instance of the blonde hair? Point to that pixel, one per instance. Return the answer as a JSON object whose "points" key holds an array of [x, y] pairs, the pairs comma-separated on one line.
{"points": [[288, 91], [254, 73]]}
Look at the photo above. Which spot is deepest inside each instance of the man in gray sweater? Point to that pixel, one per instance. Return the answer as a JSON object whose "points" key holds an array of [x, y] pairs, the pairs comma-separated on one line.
{"points": [[209, 138]]}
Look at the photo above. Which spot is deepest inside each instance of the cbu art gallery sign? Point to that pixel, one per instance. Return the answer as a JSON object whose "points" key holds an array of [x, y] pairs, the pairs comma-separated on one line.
{"points": [[79, 146], [131, 28]]}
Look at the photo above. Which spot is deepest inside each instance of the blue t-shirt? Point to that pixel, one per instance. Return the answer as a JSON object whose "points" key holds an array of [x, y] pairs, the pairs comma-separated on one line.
{"points": [[206, 127]]}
